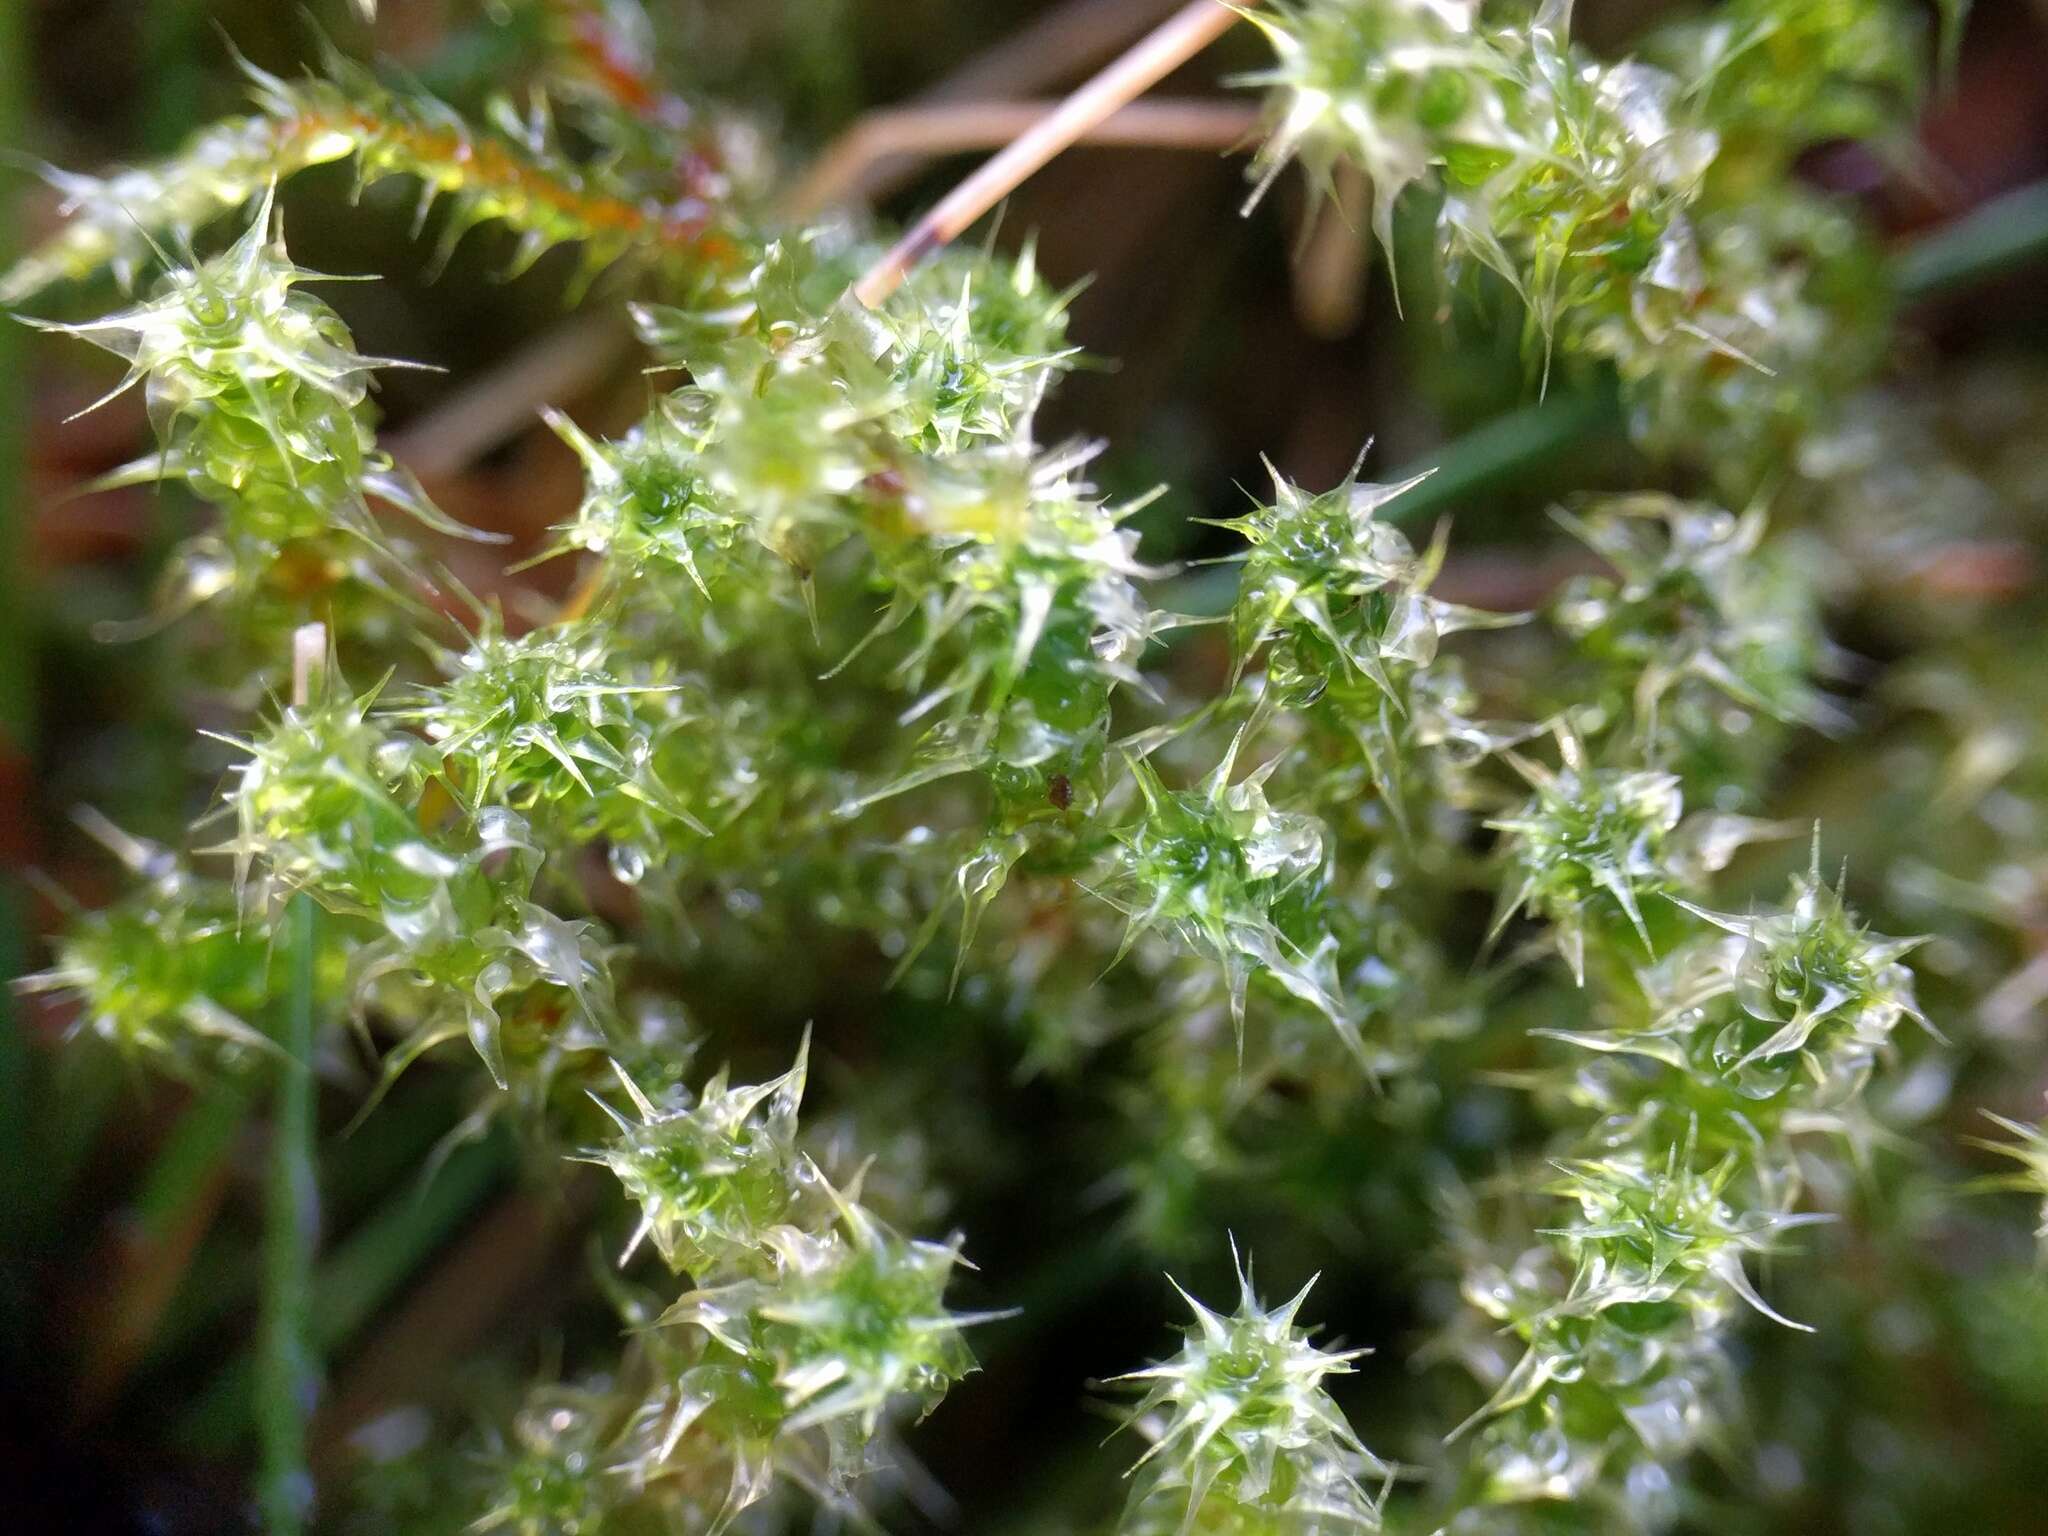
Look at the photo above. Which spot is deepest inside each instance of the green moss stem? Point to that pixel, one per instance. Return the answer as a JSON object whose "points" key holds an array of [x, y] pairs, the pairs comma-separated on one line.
{"points": [[384, 1251], [286, 1378]]}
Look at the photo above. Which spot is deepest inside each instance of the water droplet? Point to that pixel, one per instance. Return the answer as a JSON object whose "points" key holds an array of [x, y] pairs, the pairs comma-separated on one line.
{"points": [[628, 863]]}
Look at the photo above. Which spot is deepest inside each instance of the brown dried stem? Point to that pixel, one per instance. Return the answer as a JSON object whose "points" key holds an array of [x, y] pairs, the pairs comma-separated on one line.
{"points": [[560, 364], [1329, 274], [1061, 44], [1183, 35], [882, 149]]}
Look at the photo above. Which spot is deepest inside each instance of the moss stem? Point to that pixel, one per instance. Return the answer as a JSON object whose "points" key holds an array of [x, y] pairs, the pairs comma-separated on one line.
{"points": [[1155, 56], [286, 1383]]}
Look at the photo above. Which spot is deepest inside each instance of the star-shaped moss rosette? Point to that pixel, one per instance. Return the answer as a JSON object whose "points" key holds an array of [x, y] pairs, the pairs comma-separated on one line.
{"points": [[556, 1470], [1212, 868], [1599, 192], [170, 972], [1401, 88], [1647, 1231], [1333, 601], [2026, 1145], [1813, 985], [1243, 1434], [1016, 596], [261, 407], [1779, 76], [1617, 1363], [1331, 592], [712, 1174], [1698, 616], [972, 343], [1588, 838], [833, 1332], [327, 802], [645, 504], [591, 745], [1590, 1410], [1568, 178]]}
